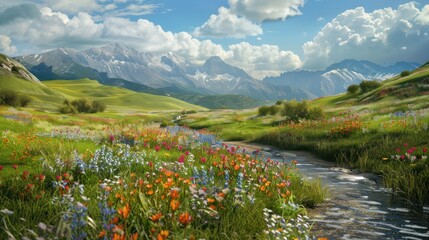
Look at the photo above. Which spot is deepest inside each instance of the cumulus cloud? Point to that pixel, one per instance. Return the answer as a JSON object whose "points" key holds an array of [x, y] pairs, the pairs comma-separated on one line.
{"points": [[226, 24], [6, 46], [73, 6], [267, 10], [22, 11], [381, 36], [264, 60], [53, 29]]}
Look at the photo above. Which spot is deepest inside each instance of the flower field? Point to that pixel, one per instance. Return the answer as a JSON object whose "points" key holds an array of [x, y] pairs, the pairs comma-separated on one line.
{"points": [[133, 182]]}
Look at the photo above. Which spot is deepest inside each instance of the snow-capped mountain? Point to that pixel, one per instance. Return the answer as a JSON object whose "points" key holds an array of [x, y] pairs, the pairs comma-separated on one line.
{"points": [[337, 77], [161, 72]]}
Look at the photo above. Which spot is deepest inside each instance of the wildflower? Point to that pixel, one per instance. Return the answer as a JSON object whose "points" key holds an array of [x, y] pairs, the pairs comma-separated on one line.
{"points": [[1, 167], [163, 235], [182, 158], [174, 193], [424, 150], [174, 204], [385, 159], [124, 211], [155, 217], [157, 148], [203, 160], [42, 177], [6, 211], [15, 166], [185, 218]]}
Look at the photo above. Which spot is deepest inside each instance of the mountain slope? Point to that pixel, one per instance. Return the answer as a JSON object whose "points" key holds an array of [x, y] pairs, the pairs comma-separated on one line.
{"points": [[337, 77], [160, 72], [394, 94]]}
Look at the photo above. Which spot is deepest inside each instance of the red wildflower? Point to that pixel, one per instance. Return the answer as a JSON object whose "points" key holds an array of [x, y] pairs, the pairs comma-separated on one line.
{"points": [[15, 166], [182, 158]]}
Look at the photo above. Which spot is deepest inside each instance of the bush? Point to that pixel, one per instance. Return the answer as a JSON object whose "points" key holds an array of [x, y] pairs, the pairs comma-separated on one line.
{"points": [[13, 98], [405, 73], [367, 86], [352, 89], [25, 100], [263, 111], [271, 110], [295, 111], [82, 105]]}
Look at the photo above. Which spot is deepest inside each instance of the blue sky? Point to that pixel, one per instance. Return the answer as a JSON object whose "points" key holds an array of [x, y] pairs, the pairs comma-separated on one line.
{"points": [[264, 37]]}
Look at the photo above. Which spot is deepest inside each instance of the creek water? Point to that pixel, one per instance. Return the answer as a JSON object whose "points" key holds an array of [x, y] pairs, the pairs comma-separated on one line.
{"points": [[358, 207]]}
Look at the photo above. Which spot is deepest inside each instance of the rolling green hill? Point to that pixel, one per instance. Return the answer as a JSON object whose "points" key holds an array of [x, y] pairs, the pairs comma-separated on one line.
{"points": [[117, 98], [395, 94], [49, 95]]}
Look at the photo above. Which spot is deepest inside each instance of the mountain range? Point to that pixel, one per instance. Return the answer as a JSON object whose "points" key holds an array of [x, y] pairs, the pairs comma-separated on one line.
{"points": [[120, 65], [337, 77]]}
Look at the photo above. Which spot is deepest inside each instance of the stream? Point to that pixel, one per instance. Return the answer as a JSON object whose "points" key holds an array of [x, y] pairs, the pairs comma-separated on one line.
{"points": [[359, 207]]}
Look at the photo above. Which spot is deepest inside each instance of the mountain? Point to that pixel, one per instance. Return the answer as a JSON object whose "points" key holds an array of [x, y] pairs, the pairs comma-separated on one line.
{"points": [[11, 67], [169, 73], [337, 77]]}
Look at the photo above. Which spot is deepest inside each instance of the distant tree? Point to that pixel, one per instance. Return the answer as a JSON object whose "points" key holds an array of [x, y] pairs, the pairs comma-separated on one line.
{"points": [[367, 86], [263, 110], [352, 89], [405, 73], [294, 111], [82, 105]]}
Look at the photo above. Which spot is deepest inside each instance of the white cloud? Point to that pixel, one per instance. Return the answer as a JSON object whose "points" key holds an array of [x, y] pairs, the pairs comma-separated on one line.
{"points": [[262, 60], [381, 36], [226, 24], [319, 19], [73, 6], [423, 17], [6, 46], [267, 10]]}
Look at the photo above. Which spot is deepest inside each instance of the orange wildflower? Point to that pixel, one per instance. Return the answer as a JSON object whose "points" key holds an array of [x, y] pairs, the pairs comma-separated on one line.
{"points": [[124, 211], [210, 200], [174, 204], [185, 218], [156, 217], [163, 235], [135, 236], [174, 193]]}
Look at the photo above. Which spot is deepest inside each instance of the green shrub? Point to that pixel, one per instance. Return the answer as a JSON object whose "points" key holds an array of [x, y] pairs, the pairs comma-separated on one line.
{"points": [[13, 98], [295, 111], [271, 110], [352, 89], [263, 111], [82, 105], [367, 86], [24, 100], [405, 73]]}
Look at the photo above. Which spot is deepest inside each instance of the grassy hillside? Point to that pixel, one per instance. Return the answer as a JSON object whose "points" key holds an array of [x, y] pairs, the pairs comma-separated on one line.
{"points": [[118, 98], [396, 94]]}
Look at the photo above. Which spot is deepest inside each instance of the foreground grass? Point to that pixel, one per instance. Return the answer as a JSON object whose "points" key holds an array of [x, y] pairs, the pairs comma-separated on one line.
{"points": [[112, 178]]}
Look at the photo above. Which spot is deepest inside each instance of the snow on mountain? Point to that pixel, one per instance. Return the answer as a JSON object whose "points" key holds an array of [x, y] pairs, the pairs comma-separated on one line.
{"points": [[337, 77]]}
